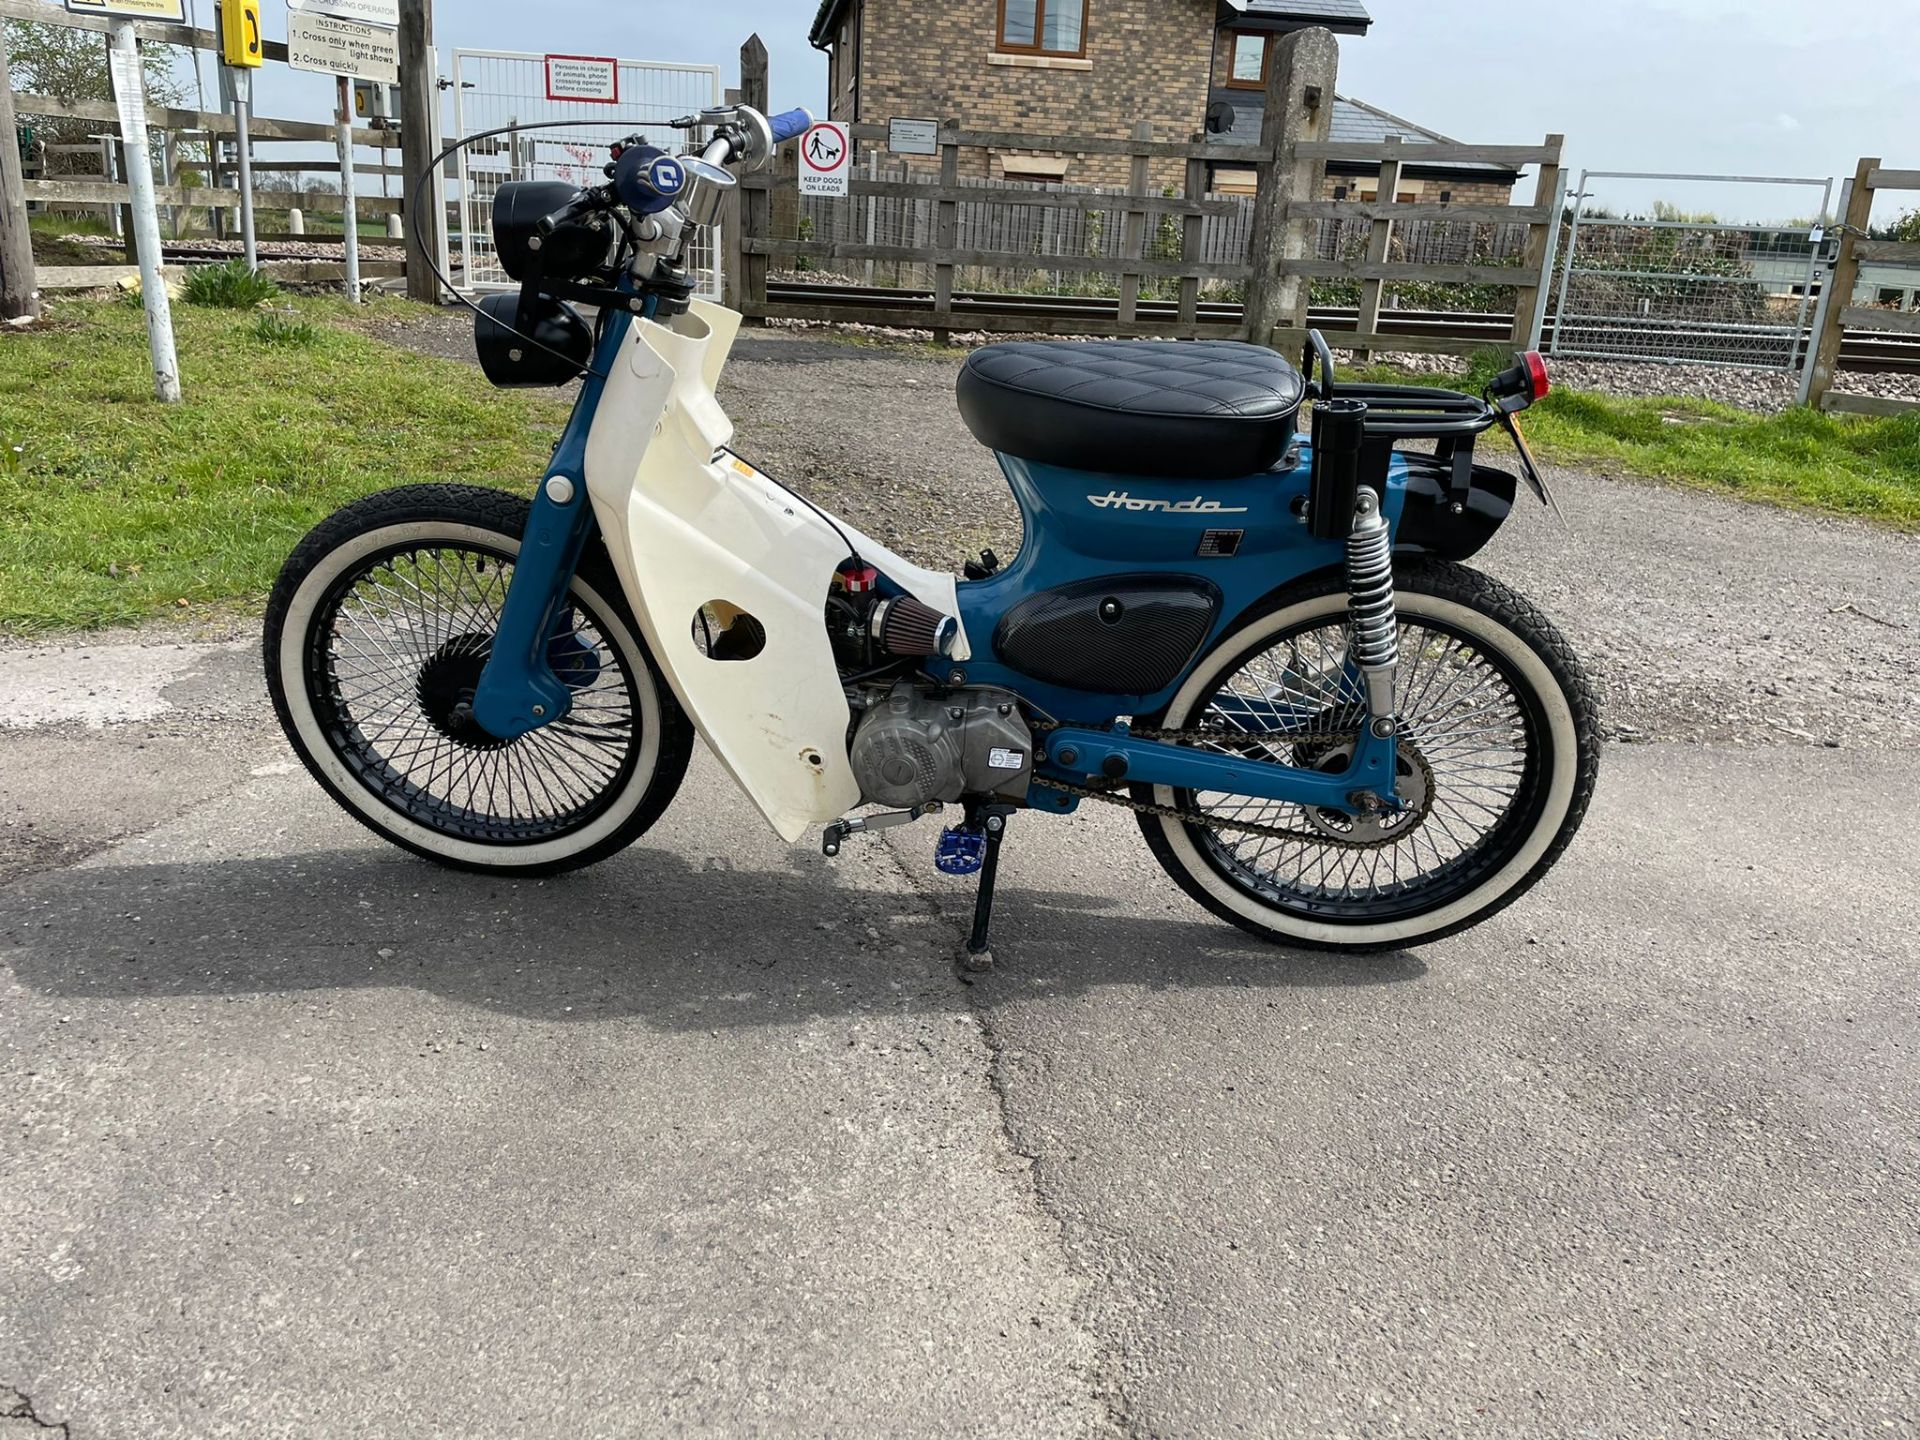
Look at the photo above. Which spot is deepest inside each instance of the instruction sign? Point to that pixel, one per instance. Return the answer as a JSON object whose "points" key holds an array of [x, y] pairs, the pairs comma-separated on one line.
{"points": [[129, 89], [592, 79], [826, 156], [139, 9], [333, 46], [367, 12], [913, 137]]}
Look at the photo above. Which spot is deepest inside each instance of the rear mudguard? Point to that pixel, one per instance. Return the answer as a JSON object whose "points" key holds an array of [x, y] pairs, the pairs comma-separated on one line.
{"points": [[1433, 521]]}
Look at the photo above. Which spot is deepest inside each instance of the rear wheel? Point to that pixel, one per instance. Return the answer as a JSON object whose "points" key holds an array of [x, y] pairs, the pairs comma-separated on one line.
{"points": [[1498, 755], [376, 635]]}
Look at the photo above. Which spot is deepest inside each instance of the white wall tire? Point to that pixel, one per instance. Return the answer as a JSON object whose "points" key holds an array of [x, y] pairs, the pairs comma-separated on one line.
{"points": [[466, 516], [1564, 715]]}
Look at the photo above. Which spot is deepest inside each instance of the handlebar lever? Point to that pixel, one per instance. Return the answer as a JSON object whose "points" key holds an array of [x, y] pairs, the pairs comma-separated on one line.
{"points": [[597, 198]]}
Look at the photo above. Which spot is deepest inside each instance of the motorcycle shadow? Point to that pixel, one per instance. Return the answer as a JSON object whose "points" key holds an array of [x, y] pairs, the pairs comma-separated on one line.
{"points": [[679, 942]]}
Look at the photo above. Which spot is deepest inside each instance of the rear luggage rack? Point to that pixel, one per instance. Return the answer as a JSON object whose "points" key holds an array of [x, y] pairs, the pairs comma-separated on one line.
{"points": [[1373, 419]]}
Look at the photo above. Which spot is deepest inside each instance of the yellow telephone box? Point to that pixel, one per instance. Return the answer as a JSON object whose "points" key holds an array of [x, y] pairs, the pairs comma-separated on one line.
{"points": [[240, 32]]}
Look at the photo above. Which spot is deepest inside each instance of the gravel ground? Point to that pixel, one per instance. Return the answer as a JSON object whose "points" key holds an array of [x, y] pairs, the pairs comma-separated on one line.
{"points": [[1703, 619], [318, 247]]}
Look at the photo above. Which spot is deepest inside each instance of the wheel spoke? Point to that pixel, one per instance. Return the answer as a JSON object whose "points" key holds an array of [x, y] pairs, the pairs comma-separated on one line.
{"points": [[1465, 751], [395, 661]]}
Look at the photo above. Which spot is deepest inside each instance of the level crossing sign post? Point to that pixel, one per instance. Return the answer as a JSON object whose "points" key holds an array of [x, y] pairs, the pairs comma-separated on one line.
{"points": [[350, 40], [130, 97]]}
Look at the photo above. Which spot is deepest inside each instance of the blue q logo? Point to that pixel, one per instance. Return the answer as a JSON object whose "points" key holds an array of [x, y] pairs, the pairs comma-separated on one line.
{"points": [[666, 176]]}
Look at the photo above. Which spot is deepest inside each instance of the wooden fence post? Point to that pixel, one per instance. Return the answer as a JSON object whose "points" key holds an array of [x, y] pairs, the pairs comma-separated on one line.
{"points": [[419, 101], [19, 288], [1546, 196], [1133, 244], [756, 206], [1299, 107], [733, 262], [945, 226], [1846, 275], [1380, 242], [1192, 236]]}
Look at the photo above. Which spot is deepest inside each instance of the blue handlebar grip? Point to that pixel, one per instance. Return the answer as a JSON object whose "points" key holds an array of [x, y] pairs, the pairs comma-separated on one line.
{"points": [[788, 126]]}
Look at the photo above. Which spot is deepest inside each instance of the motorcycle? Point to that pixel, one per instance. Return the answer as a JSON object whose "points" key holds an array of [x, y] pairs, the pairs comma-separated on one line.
{"points": [[1262, 644]]}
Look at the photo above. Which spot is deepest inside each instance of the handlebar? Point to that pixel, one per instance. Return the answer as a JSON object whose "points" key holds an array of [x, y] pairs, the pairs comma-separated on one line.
{"points": [[648, 181], [790, 126]]}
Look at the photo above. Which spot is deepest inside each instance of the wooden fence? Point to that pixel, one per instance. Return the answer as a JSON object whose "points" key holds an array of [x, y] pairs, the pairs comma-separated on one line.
{"points": [[217, 132], [1839, 311], [956, 233], [216, 128], [998, 244]]}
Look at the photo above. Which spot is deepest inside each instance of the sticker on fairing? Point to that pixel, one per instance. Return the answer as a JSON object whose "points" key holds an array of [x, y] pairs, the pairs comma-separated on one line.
{"points": [[999, 759]]}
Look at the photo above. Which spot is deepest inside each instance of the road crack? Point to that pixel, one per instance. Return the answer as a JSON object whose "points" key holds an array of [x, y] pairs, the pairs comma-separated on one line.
{"points": [[1102, 1375], [15, 1406]]}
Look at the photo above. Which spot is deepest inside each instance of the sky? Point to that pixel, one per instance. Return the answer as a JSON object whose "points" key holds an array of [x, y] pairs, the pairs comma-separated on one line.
{"points": [[1753, 87]]}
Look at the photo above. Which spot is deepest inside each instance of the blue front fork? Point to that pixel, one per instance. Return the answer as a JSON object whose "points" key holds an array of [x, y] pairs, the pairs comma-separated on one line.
{"points": [[521, 688]]}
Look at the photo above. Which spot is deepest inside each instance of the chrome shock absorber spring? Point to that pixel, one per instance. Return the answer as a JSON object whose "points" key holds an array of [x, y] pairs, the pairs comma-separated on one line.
{"points": [[1376, 628]]}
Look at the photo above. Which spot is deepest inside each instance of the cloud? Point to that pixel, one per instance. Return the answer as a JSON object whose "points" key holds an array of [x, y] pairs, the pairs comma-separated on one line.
{"points": [[1786, 121]]}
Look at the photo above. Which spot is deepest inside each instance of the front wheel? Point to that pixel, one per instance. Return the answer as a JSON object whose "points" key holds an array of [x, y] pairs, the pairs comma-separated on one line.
{"points": [[375, 638], [1499, 751]]}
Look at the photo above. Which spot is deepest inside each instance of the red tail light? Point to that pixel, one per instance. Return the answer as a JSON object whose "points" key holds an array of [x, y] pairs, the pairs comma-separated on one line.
{"points": [[1537, 376]]}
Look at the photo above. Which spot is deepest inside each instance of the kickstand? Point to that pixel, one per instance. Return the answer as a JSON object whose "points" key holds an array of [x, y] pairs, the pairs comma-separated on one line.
{"points": [[993, 823]]}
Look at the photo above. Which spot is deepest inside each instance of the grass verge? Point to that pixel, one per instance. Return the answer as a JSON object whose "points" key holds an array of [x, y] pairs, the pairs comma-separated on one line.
{"points": [[114, 507], [1841, 464]]}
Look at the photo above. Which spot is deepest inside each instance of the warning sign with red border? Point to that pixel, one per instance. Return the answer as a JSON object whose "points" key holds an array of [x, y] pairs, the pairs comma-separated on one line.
{"points": [[826, 159], [592, 79]]}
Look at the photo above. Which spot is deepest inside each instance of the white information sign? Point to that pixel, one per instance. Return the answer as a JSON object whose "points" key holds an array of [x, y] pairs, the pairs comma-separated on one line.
{"points": [[913, 137], [594, 79], [367, 12], [826, 156], [342, 47], [129, 89], [137, 9]]}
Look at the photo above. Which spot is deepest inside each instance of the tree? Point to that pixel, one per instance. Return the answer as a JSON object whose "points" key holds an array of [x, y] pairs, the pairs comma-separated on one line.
{"points": [[1907, 227], [71, 64]]}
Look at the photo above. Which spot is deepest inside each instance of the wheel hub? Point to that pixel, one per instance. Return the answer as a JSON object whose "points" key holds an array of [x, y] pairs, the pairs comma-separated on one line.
{"points": [[1379, 824], [446, 686]]}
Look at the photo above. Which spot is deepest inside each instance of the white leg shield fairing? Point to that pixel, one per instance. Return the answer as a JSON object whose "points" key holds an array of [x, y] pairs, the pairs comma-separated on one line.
{"points": [[688, 524]]}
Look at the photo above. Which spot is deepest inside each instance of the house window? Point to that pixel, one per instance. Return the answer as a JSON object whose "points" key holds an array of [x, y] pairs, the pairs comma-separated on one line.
{"points": [[1249, 68], [1043, 27]]}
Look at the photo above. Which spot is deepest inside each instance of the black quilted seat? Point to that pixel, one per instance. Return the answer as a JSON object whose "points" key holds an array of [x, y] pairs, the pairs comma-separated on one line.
{"points": [[1189, 410]]}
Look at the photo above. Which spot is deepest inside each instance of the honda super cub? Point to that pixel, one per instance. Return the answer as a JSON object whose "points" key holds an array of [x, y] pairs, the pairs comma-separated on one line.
{"points": [[1262, 644]]}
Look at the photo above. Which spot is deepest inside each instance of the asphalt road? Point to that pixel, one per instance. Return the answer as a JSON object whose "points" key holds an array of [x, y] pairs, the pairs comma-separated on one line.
{"points": [[306, 1137]]}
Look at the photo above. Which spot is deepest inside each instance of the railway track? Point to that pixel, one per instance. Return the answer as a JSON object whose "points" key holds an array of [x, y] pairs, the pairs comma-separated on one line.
{"points": [[1862, 350]]}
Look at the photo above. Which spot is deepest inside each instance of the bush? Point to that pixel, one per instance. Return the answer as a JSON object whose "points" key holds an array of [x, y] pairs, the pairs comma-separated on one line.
{"points": [[229, 285], [278, 327]]}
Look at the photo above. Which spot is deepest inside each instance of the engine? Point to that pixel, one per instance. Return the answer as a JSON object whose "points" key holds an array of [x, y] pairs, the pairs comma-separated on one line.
{"points": [[913, 746]]}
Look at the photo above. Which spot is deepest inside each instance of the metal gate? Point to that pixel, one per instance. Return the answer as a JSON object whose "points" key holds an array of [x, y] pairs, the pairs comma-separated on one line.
{"points": [[1703, 291], [492, 88]]}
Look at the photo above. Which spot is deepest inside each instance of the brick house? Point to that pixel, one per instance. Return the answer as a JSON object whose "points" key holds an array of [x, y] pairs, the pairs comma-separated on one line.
{"points": [[1098, 67]]}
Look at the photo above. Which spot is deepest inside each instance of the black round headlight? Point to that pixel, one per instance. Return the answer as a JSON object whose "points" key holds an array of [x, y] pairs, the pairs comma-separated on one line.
{"points": [[576, 247], [563, 351]]}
